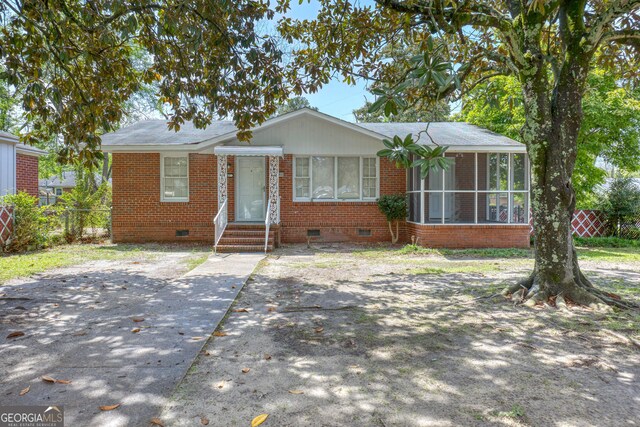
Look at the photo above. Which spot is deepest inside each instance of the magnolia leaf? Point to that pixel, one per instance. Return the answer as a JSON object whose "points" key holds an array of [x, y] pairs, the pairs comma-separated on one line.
{"points": [[156, 422], [319, 330], [24, 391], [135, 330], [267, 357], [240, 310], [138, 319], [219, 334], [48, 379], [15, 334], [245, 370], [110, 407], [63, 381], [259, 420], [204, 421], [296, 392]]}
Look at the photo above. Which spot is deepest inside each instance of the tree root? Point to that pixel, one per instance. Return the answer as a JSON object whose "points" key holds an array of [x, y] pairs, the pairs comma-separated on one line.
{"points": [[535, 290]]}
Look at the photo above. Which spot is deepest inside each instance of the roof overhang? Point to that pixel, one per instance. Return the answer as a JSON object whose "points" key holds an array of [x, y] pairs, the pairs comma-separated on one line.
{"points": [[230, 150], [8, 138], [28, 150], [486, 148]]}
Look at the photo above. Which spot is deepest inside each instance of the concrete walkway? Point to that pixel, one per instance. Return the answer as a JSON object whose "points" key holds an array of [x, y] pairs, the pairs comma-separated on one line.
{"points": [[110, 355]]}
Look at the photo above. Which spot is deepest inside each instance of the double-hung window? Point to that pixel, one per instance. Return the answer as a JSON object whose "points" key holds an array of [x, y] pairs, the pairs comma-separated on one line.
{"points": [[174, 178], [335, 178]]}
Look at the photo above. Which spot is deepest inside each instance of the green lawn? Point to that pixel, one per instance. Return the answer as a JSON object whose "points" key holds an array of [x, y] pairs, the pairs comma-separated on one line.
{"points": [[26, 264]]}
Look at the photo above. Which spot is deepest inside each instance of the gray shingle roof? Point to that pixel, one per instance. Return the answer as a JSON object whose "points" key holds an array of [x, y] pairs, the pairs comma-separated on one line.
{"points": [[67, 180], [151, 132], [443, 133], [155, 132]]}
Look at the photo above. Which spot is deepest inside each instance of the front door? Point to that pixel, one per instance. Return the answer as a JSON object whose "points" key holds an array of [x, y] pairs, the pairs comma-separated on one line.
{"points": [[250, 188]]}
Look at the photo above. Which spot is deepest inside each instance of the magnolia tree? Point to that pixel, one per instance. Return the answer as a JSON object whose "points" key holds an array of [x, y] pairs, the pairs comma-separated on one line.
{"points": [[76, 64], [550, 46]]}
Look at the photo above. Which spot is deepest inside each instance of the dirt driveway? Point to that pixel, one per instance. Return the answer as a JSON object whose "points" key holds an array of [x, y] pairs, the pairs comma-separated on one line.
{"points": [[119, 332], [333, 337]]}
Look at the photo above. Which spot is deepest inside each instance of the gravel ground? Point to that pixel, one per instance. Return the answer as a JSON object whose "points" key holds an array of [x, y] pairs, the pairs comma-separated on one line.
{"points": [[335, 337]]}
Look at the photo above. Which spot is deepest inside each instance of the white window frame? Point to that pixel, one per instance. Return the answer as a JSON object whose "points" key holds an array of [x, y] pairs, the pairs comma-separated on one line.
{"points": [[335, 179], [163, 198]]}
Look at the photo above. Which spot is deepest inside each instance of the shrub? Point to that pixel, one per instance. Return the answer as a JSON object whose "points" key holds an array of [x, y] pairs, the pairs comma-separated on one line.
{"points": [[85, 208], [394, 208], [31, 228], [619, 202]]}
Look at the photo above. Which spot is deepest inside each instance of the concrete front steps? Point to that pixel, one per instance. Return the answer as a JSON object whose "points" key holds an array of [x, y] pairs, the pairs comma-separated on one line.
{"points": [[245, 237]]}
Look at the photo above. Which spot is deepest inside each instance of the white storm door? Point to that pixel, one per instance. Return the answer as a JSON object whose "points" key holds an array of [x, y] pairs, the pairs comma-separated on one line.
{"points": [[250, 188]]}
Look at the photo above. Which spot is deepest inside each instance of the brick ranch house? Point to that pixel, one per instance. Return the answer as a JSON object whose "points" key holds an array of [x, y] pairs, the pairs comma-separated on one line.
{"points": [[309, 176], [18, 166]]}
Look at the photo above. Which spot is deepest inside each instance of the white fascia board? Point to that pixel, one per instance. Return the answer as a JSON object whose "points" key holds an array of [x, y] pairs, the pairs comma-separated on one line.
{"points": [[28, 150], [486, 148], [255, 150]]}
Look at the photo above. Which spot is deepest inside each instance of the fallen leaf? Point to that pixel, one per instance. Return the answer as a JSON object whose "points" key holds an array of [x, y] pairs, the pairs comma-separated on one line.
{"points": [[157, 422], [48, 379], [219, 334], [319, 330], [240, 310], [79, 334], [204, 421], [206, 353], [271, 309], [245, 370], [197, 338], [259, 420], [63, 381], [267, 357], [110, 407], [15, 334], [135, 331], [220, 384], [25, 391], [296, 391], [138, 319]]}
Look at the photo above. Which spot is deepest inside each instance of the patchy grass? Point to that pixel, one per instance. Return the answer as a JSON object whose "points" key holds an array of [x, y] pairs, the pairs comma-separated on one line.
{"points": [[610, 254], [21, 265], [26, 264], [449, 253], [606, 242], [470, 268], [195, 261]]}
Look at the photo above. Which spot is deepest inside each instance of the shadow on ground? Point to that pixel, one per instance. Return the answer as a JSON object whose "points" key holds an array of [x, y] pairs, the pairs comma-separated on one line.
{"points": [[331, 338]]}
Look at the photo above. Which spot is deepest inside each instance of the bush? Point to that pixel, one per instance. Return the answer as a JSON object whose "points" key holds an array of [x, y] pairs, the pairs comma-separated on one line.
{"points": [[394, 208], [85, 208], [31, 228], [606, 242], [620, 202]]}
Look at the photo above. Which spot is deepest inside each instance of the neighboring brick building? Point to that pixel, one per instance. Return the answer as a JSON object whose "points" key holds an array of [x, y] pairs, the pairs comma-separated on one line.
{"points": [[315, 178], [18, 166]]}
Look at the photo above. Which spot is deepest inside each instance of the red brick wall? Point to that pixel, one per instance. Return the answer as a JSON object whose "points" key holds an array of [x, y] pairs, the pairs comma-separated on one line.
{"points": [[27, 174], [337, 221], [470, 236], [139, 215]]}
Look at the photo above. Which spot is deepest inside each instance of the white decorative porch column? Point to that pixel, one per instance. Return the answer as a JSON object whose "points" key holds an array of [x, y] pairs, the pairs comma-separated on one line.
{"points": [[274, 190], [222, 180]]}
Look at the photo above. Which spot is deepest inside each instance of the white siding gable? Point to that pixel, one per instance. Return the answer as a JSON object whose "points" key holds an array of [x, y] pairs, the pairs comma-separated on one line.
{"points": [[311, 135]]}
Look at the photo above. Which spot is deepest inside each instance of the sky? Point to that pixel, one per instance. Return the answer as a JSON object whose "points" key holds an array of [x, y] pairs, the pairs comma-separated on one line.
{"points": [[337, 98]]}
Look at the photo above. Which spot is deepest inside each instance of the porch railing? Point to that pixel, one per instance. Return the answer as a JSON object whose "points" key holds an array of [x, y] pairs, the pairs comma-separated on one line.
{"points": [[267, 223], [220, 223]]}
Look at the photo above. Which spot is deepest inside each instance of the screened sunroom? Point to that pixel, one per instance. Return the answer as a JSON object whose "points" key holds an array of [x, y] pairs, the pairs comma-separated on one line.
{"points": [[477, 188]]}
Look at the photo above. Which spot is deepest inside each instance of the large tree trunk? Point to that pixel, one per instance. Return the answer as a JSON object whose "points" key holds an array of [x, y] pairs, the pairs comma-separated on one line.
{"points": [[551, 134]]}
